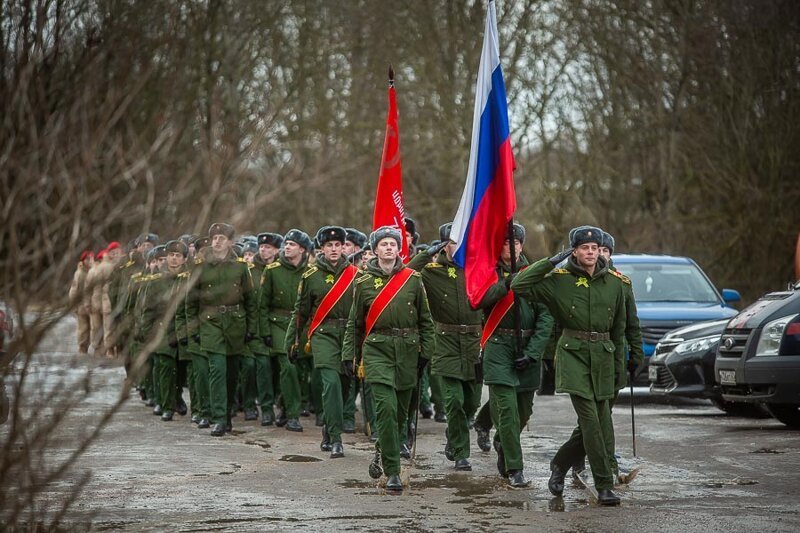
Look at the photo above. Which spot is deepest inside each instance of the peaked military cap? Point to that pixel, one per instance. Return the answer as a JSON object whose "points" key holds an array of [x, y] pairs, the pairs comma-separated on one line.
{"points": [[177, 246], [356, 237], [273, 239], [444, 231], [331, 233], [385, 232], [584, 234], [299, 237], [221, 228], [608, 241]]}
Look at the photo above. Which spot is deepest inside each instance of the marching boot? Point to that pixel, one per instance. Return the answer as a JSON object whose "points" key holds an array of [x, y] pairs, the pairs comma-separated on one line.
{"points": [[337, 450], [405, 451], [204, 423], [448, 451], [556, 481], [463, 465], [426, 412], [607, 497], [348, 427], [483, 438], [250, 414], [218, 430], [293, 424], [157, 410], [325, 445], [182, 408], [516, 480], [166, 416], [195, 419], [267, 417], [280, 419], [501, 459], [393, 484]]}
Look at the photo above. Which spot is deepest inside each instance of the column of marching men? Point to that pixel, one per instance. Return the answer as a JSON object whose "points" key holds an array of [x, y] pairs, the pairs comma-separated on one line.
{"points": [[293, 326]]}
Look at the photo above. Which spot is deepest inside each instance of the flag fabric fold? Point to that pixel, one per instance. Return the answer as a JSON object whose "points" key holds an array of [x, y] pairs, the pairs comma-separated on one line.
{"points": [[488, 202], [389, 207]]}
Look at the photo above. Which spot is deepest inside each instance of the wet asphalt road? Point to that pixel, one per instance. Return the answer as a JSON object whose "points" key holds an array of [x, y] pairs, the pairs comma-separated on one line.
{"points": [[700, 470]]}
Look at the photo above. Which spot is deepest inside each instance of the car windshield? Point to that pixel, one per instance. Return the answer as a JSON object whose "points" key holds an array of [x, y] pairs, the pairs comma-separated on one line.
{"points": [[654, 282]]}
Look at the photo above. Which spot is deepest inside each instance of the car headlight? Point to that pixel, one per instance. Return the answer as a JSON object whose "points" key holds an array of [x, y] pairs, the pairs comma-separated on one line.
{"points": [[770, 341], [697, 345]]}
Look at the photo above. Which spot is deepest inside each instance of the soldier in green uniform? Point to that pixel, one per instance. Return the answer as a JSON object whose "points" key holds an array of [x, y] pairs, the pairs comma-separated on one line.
{"points": [[201, 409], [353, 245], [222, 305], [389, 331], [267, 367], [279, 283], [458, 334], [573, 452], [588, 300], [247, 362], [325, 296], [512, 376]]}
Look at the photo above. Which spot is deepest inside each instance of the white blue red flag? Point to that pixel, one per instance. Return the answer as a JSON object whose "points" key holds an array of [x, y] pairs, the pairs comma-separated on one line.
{"points": [[488, 203]]}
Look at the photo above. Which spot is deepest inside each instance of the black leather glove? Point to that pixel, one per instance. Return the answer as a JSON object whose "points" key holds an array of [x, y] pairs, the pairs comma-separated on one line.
{"points": [[267, 340], [560, 256], [293, 354], [479, 371], [184, 341], [632, 367], [522, 363], [347, 366], [248, 337], [173, 343], [196, 338], [434, 251]]}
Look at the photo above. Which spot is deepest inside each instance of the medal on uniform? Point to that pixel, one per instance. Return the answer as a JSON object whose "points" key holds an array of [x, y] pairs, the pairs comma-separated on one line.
{"points": [[451, 271], [582, 282], [329, 279], [378, 283]]}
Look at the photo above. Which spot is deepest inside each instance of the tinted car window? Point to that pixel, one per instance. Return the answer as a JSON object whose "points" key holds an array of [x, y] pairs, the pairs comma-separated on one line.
{"points": [[653, 282]]}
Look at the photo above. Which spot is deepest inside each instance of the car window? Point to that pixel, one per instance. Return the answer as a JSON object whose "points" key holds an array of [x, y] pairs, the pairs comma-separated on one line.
{"points": [[653, 282]]}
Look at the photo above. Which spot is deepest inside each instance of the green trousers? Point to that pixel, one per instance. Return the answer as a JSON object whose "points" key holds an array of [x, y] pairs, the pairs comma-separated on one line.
{"points": [[391, 411], [167, 370], [268, 375], [149, 379], [247, 381], [315, 392], [596, 432], [424, 391], [200, 371], [223, 376], [510, 410], [335, 388], [437, 393], [461, 400], [524, 407], [290, 387], [574, 450], [190, 384], [349, 412]]}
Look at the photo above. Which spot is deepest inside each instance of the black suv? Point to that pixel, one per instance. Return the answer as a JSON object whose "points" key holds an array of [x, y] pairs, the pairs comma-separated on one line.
{"points": [[758, 359]]}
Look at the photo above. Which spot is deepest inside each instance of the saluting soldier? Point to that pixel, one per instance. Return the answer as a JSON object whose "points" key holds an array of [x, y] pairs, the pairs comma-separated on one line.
{"points": [[389, 332], [588, 300], [325, 296], [512, 376], [457, 354], [279, 283], [223, 302]]}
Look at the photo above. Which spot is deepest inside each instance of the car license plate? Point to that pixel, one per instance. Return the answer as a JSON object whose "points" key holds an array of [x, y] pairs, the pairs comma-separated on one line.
{"points": [[727, 377], [652, 373]]}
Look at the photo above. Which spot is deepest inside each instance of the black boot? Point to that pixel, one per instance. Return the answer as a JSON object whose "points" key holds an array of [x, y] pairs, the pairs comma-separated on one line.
{"points": [[280, 419], [393, 484], [607, 497], [426, 412], [250, 414], [325, 445], [483, 438], [157, 410], [501, 459], [440, 417], [182, 408], [318, 420], [376, 466], [448, 451], [204, 423], [218, 430], [463, 464], [195, 419], [405, 451], [556, 481], [267, 418], [293, 424], [516, 480], [166, 416], [337, 450], [348, 427]]}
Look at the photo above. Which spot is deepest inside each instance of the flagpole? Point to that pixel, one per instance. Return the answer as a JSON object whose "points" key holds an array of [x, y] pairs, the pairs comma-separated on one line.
{"points": [[517, 317]]}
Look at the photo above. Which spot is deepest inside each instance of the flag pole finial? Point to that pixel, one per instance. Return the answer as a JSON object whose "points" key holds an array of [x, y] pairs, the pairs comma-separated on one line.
{"points": [[391, 75]]}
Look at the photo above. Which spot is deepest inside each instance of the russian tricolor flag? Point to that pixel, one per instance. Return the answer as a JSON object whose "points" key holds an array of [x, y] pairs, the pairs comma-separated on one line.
{"points": [[488, 203]]}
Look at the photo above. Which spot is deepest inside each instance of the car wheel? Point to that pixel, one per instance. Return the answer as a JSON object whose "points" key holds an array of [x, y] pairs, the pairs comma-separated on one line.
{"points": [[787, 413], [743, 409]]}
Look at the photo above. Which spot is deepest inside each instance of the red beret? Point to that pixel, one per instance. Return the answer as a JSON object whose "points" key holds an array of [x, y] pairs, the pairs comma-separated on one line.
{"points": [[113, 246], [86, 255], [100, 255]]}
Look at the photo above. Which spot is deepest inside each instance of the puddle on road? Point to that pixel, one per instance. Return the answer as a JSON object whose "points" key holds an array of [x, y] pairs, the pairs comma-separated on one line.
{"points": [[299, 458], [259, 443], [767, 450]]}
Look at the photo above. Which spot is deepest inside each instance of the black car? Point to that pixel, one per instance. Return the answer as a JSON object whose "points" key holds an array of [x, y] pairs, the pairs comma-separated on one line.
{"points": [[682, 365], [758, 359]]}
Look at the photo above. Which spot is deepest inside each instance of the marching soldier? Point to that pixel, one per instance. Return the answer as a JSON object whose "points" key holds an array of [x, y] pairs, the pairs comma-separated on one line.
{"points": [[247, 368], [222, 306], [80, 300], [354, 244], [323, 304], [588, 300], [94, 284], [267, 367], [389, 330], [199, 378], [114, 255], [512, 376], [458, 334], [144, 310], [279, 283]]}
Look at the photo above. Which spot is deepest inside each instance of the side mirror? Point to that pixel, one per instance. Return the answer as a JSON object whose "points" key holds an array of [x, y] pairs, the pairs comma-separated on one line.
{"points": [[730, 296]]}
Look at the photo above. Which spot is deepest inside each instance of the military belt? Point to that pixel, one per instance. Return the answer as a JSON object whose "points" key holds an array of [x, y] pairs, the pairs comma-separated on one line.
{"points": [[512, 332], [281, 312], [463, 329], [591, 336], [396, 332], [335, 322]]}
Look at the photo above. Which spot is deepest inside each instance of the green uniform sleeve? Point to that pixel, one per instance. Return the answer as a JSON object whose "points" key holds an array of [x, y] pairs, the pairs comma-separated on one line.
{"points": [[533, 283], [419, 261], [427, 332], [633, 333], [300, 314], [264, 299], [618, 326], [180, 311], [193, 305], [494, 294], [541, 334], [354, 333], [250, 302]]}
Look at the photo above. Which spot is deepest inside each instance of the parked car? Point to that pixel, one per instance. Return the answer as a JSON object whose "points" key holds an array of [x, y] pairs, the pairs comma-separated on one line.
{"points": [[671, 292], [683, 365], [758, 358]]}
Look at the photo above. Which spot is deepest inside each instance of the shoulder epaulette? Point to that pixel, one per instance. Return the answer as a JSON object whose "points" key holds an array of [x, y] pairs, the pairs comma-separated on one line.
{"points": [[251, 266], [310, 270], [241, 260], [183, 275], [154, 277], [434, 264], [560, 271], [274, 264], [416, 274], [198, 261], [363, 278], [623, 277], [137, 277]]}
